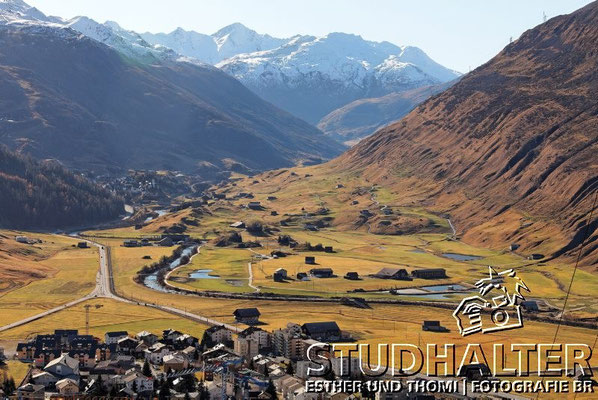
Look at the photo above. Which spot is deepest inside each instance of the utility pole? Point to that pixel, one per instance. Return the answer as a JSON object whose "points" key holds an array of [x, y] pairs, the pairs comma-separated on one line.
{"points": [[87, 307], [544, 16]]}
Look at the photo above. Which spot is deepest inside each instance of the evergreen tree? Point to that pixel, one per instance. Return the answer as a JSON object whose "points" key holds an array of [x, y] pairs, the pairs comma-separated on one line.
{"points": [[204, 394], [164, 390], [9, 386], [99, 389], [147, 371], [271, 390]]}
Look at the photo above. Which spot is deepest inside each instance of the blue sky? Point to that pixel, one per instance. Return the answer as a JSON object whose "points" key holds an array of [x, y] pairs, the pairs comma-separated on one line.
{"points": [[458, 34]]}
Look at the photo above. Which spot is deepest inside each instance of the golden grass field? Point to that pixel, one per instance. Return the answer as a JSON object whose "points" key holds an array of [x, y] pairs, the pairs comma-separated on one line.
{"points": [[43, 276]]}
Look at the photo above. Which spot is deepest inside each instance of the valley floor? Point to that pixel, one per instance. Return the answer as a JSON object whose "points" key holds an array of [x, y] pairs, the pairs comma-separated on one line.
{"points": [[414, 239]]}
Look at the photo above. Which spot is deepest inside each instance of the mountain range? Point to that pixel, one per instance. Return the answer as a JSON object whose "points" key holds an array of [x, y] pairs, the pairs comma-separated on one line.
{"points": [[104, 102], [305, 75], [510, 151]]}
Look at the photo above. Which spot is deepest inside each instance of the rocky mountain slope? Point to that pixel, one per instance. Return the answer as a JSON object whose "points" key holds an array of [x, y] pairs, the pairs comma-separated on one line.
{"points": [[510, 151], [361, 118], [72, 98]]}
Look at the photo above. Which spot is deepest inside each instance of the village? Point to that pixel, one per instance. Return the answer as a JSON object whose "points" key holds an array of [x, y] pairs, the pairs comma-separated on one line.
{"points": [[250, 364]]}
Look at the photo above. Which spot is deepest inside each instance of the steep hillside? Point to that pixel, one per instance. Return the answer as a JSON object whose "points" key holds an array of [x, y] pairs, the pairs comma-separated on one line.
{"points": [[510, 151], [45, 195], [363, 117], [72, 98]]}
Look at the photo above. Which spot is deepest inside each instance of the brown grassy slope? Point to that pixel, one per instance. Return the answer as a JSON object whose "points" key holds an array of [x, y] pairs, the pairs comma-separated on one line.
{"points": [[511, 151]]}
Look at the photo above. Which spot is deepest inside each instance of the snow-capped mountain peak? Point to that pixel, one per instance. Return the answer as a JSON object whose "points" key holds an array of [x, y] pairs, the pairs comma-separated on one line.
{"points": [[19, 11]]}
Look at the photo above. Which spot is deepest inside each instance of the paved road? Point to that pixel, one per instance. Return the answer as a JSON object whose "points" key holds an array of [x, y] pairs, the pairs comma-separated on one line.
{"points": [[105, 289]]}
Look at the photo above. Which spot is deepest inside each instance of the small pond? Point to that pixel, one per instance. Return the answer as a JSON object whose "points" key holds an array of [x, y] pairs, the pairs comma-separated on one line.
{"points": [[203, 274], [460, 257]]}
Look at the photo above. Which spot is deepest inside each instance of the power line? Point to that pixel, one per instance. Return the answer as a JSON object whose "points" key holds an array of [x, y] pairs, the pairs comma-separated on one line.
{"points": [[583, 243]]}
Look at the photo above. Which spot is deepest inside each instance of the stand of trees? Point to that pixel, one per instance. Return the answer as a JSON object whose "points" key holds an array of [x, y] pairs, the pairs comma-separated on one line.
{"points": [[45, 195]]}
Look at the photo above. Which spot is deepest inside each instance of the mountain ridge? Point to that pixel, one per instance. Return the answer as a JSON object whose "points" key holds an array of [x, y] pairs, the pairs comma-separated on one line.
{"points": [[70, 92], [510, 150]]}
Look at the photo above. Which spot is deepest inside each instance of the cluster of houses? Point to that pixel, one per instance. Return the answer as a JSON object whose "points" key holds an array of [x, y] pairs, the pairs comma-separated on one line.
{"points": [[402, 274], [165, 239], [67, 363], [281, 274], [241, 364]]}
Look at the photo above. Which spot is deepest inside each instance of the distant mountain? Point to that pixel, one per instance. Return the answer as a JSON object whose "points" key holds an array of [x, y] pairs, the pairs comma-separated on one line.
{"points": [[361, 118], [107, 100], [45, 195], [310, 76], [227, 42], [306, 75], [510, 151]]}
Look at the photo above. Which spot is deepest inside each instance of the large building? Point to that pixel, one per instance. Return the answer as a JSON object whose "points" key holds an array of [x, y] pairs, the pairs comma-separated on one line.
{"points": [[249, 316], [429, 273], [392, 273], [322, 331]]}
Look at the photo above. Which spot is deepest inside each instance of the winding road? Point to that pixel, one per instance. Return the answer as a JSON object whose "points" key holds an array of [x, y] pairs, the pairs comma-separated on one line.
{"points": [[105, 289]]}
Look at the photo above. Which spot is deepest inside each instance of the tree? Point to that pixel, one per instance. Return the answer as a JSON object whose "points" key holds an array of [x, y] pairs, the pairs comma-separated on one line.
{"points": [[9, 386], [271, 390], [147, 371], [164, 391], [290, 370], [99, 389], [204, 394]]}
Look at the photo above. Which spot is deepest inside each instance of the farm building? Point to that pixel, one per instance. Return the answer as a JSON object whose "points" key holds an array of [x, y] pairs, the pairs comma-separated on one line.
{"points": [[278, 254], [392, 273], [530, 305], [302, 276], [238, 225], [322, 331], [429, 273], [328, 249], [254, 205], [433, 326], [352, 276], [22, 239], [321, 272], [280, 275], [166, 242], [272, 198], [131, 243], [514, 246], [536, 256], [247, 316], [82, 245], [310, 260]]}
